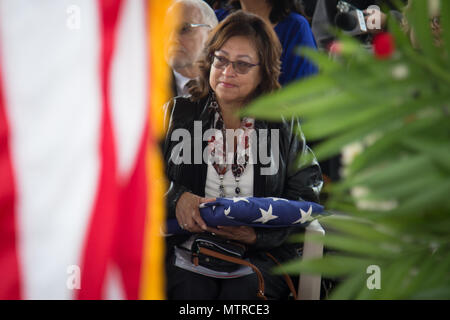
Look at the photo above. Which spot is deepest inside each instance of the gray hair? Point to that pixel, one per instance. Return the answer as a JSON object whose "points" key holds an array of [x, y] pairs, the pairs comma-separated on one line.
{"points": [[209, 17]]}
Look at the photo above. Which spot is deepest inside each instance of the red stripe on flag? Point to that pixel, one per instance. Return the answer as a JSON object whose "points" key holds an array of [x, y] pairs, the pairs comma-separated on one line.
{"points": [[10, 282], [130, 229], [99, 242]]}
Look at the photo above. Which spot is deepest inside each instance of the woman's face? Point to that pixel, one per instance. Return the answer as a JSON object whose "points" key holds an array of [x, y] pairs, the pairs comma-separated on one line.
{"points": [[233, 86]]}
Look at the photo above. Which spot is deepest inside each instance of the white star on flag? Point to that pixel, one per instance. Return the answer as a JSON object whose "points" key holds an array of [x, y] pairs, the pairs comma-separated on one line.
{"points": [[279, 199], [227, 212], [266, 215], [204, 205], [240, 199], [304, 216]]}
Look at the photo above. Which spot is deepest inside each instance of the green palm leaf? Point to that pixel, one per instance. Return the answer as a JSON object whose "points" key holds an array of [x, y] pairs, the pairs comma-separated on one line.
{"points": [[398, 110]]}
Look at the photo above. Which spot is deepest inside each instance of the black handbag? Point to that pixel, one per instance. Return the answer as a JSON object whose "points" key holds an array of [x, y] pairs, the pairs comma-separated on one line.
{"points": [[224, 255], [222, 246]]}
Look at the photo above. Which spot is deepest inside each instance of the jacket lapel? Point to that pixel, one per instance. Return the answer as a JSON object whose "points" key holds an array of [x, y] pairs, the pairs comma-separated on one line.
{"points": [[259, 181]]}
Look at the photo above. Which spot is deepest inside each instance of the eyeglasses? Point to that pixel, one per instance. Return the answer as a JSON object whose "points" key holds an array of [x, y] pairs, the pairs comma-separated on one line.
{"points": [[240, 67], [186, 28]]}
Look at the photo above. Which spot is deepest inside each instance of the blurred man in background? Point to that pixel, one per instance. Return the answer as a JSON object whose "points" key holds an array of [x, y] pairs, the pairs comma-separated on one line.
{"points": [[187, 41]]}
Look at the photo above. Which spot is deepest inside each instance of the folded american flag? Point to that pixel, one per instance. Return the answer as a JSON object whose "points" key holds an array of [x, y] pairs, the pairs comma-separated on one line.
{"points": [[253, 212]]}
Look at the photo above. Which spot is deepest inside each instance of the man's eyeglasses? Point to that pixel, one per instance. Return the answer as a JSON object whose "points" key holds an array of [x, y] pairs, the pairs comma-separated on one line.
{"points": [[240, 67], [186, 28]]}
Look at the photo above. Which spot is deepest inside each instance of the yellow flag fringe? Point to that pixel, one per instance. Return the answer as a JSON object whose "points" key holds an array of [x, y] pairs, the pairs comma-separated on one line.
{"points": [[153, 271]]}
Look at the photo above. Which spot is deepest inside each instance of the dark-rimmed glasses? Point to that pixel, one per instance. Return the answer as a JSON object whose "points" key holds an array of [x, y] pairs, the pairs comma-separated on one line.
{"points": [[240, 67], [186, 28]]}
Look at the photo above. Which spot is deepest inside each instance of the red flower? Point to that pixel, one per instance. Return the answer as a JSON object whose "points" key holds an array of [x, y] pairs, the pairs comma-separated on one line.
{"points": [[383, 45], [335, 48]]}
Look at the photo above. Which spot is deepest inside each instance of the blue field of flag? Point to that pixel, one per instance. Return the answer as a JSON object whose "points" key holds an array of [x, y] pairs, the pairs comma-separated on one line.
{"points": [[254, 212]]}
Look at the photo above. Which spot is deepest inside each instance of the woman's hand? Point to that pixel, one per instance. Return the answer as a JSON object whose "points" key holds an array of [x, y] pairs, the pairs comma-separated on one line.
{"points": [[188, 214], [242, 233]]}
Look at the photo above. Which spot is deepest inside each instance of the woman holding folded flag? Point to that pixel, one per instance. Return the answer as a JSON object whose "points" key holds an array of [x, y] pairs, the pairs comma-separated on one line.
{"points": [[241, 61]]}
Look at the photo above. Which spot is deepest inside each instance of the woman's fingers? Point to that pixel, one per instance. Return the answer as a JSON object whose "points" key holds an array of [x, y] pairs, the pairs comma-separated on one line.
{"points": [[190, 220], [188, 214], [185, 205], [196, 213], [206, 200], [198, 219], [195, 222]]}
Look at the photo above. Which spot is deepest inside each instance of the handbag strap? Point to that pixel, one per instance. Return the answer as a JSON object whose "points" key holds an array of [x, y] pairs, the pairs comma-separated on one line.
{"points": [[243, 262], [288, 279]]}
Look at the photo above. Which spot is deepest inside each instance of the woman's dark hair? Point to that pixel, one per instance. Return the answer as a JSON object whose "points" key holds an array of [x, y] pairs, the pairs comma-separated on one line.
{"points": [[280, 8], [266, 44]]}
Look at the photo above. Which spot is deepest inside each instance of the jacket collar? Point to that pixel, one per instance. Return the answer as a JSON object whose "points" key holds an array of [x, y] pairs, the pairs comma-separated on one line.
{"points": [[205, 115]]}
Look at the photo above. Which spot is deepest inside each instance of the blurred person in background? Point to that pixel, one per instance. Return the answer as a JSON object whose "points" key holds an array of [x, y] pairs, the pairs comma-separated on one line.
{"points": [[195, 19], [435, 25], [325, 12], [217, 4]]}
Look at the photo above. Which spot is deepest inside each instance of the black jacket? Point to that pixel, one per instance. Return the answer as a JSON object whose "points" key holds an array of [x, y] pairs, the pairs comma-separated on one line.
{"points": [[295, 180]]}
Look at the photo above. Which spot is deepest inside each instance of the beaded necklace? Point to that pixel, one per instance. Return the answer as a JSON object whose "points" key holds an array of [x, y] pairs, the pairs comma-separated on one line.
{"points": [[217, 148]]}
